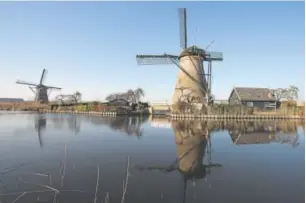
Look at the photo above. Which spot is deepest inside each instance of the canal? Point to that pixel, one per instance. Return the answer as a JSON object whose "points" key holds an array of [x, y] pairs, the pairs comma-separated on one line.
{"points": [[80, 159]]}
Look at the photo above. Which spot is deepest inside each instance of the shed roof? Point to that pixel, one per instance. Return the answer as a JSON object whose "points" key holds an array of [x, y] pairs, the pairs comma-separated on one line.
{"points": [[254, 94], [11, 100], [118, 100]]}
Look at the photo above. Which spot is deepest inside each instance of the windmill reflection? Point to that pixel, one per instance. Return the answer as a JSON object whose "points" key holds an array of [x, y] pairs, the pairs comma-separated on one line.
{"points": [[73, 123], [40, 126], [192, 140]]}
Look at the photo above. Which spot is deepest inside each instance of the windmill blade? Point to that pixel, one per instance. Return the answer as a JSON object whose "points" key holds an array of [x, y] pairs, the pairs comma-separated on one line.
{"points": [[198, 83], [209, 44], [25, 83], [49, 92], [214, 56], [43, 75], [51, 87], [183, 27], [155, 59], [31, 88]]}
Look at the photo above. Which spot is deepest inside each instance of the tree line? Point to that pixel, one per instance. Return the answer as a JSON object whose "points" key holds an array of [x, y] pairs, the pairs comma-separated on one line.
{"points": [[289, 94], [133, 96]]}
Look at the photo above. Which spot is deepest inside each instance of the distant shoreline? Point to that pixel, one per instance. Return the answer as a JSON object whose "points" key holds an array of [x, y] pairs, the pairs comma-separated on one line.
{"points": [[17, 111], [170, 116]]}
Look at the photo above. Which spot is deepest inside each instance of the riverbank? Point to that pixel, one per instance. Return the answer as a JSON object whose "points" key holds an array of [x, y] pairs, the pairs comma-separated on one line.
{"points": [[95, 113], [173, 116], [181, 116], [258, 116]]}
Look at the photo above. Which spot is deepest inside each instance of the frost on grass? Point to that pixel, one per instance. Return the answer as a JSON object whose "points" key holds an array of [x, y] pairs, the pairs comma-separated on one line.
{"points": [[52, 189]]}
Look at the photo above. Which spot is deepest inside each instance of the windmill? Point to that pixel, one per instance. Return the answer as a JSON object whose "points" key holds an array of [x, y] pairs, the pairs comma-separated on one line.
{"points": [[40, 90], [191, 64]]}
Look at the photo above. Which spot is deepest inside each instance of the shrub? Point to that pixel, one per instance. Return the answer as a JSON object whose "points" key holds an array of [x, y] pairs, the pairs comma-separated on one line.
{"points": [[181, 107], [81, 108]]}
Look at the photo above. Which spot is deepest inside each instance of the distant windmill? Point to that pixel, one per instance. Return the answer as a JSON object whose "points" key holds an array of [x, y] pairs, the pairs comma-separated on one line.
{"points": [[40, 90], [190, 62]]}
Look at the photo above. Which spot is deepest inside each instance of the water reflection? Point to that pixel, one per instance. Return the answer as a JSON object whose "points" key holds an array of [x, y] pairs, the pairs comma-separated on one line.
{"points": [[264, 133], [249, 132], [182, 153], [40, 126], [126, 124], [192, 140], [241, 132], [73, 122]]}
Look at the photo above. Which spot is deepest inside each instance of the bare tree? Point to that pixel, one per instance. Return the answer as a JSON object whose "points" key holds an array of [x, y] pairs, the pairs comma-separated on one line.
{"points": [[69, 98], [185, 99], [279, 93], [77, 96], [110, 97], [132, 96], [290, 93], [138, 93]]}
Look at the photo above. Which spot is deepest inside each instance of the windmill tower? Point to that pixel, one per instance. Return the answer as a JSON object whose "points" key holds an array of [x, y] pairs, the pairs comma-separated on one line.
{"points": [[192, 81], [40, 90]]}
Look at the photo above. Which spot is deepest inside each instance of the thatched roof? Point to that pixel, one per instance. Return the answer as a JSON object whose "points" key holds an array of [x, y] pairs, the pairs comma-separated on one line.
{"points": [[254, 94]]}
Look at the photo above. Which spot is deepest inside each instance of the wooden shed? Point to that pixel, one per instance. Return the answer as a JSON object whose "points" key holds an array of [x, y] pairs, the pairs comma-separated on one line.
{"points": [[252, 97]]}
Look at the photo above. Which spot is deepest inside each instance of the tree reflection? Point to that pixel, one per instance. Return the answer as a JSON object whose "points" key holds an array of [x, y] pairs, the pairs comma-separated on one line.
{"points": [[73, 122], [58, 120], [130, 125], [192, 140]]}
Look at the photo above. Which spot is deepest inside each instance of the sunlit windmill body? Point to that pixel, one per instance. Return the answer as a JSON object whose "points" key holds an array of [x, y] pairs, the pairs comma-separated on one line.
{"points": [[192, 84]]}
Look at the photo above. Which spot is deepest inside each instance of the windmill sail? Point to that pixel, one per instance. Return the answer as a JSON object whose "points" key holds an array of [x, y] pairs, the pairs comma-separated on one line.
{"points": [[183, 27], [42, 77], [155, 59]]}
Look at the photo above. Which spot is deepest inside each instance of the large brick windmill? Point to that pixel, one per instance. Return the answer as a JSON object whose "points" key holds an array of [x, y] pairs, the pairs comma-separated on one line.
{"points": [[192, 81], [40, 90]]}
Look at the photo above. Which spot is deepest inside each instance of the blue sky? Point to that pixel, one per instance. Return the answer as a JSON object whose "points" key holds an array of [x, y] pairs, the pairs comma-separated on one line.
{"points": [[91, 46]]}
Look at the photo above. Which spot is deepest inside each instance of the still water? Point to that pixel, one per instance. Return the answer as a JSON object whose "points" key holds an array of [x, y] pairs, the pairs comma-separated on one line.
{"points": [[149, 160]]}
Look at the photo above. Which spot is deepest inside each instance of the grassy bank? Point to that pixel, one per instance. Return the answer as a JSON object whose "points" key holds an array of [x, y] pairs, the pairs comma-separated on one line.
{"points": [[285, 109], [23, 106]]}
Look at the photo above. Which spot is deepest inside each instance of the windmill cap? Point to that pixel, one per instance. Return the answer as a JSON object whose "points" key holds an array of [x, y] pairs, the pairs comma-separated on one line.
{"points": [[193, 51]]}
